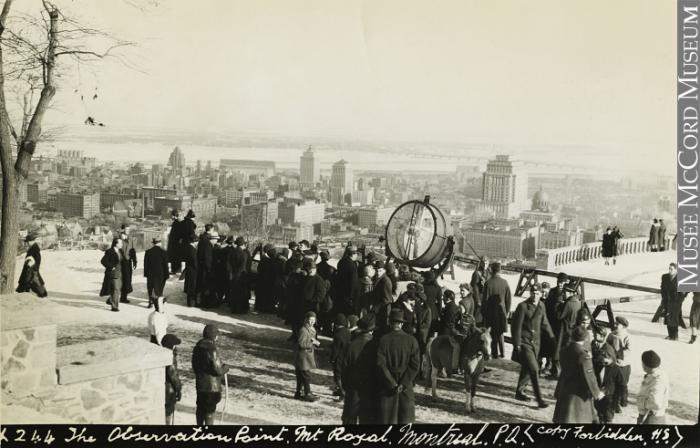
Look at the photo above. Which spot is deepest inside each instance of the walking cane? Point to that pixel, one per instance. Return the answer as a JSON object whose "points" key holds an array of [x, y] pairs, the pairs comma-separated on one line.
{"points": [[223, 410]]}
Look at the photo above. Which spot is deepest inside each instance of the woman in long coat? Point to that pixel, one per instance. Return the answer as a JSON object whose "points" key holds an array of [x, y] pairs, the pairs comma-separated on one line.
{"points": [[175, 241], [30, 279], [577, 386], [654, 236]]}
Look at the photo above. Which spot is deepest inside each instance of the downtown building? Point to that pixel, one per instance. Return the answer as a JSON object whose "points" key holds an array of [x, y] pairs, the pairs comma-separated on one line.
{"points": [[204, 207], [306, 212], [309, 171], [508, 239], [504, 187], [341, 182], [82, 205], [370, 217]]}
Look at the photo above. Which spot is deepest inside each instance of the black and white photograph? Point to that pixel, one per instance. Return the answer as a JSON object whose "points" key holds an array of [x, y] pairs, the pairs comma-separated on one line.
{"points": [[332, 213]]}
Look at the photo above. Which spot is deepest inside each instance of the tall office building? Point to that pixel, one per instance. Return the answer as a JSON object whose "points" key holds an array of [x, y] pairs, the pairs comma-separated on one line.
{"points": [[309, 172], [341, 182], [504, 187], [177, 160]]}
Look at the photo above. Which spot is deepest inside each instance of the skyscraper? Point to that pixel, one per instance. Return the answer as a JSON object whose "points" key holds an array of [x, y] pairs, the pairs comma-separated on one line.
{"points": [[308, 170], [177, 160], [504, 187], [341, 182]]}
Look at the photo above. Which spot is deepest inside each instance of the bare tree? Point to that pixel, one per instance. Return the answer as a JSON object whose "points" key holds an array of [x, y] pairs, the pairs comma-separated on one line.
{"points": [[30, 50]]}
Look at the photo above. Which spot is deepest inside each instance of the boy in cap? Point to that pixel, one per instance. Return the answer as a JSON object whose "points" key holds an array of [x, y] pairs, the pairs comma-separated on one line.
{"points": [[341, 341], [305, 360], [173, 386], [208, 371], [621, 342], [652, 399]]}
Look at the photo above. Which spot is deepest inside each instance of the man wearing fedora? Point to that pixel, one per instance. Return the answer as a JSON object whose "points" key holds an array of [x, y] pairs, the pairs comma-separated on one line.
{"points": [[398, 359], [239, 291], [128, 263], [347, 283], [552, 302], [155, 269], [205, 266], [358, 367]]}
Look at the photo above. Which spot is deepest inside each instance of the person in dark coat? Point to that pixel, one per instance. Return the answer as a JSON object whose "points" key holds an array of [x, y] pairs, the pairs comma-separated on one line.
{"points": [[173, 385], [191, 271], [155, 269], [550, 349], [617, 236], [238, 291], [407, 304], [325, 270], [314, 291], [188, 226], [219, 270], [398, 360], [305, 361], [529, 324], [608, 245], [609, 377], [128, 263], [478, 283], [662, 235], [466, 305], [347, 284], [205, 269], [264, 281], [654, 236], [567, 317], [433, 294], [359, 372], [280, 286], [382, 299], [296, 280], [112, 282], [175, 242], [424, 320], [694, 317], [341, 341], [497, 299], [577, 386], [208, 371], [451, 321], [366, 289], [30, 278], [673, 302]]}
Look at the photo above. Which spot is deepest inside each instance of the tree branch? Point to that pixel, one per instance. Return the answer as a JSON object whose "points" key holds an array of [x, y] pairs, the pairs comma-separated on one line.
{"points": [[3, 15]]}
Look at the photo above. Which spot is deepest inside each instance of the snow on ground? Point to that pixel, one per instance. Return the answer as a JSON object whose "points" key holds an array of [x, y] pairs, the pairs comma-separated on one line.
{"points": [[262, 378]]}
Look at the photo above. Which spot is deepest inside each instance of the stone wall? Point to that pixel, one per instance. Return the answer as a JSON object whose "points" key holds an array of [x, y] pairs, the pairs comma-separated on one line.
{"points": [[117, 381], [28, 360]]}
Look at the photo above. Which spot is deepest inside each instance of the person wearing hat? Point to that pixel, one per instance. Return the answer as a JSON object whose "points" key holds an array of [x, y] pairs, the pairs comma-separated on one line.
{"points": [[294, 295], [208, 371], [608, 375], [621, 341], [694, 317], [672, 301], [30, 278], [325, 270], [496, 305], [433, 298], [155, 269], [553, 302], [265, 279], [158, 322], [366, 287], [188, 225], [652, 398], [205, 268], [577, 386], [347, 282], [112, 281], [358, 373], [567, 314], [177, 242], [341, 341], [527, 328], [173, 385], [239, 290], [219, 270], [608, 246], [466, 305], [398, 360], [191, 271], [478, 283], [128, 263], [424, 318], [382, 299], [305, 360]]}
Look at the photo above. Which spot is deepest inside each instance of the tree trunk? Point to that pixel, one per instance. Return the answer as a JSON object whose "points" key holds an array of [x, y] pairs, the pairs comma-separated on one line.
{"points": [[11, 185]]}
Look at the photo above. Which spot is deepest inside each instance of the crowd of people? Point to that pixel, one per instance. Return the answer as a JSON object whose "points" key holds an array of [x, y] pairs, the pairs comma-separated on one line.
{"points": [[380, 335]]}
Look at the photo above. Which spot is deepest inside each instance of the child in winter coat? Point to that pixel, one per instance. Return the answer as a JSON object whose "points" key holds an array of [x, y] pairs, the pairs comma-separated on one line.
{"points": [[305, 360]]}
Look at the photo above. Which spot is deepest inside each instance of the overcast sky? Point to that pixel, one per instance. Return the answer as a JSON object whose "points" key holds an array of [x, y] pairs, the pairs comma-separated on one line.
{"points": [[599, 73]]}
